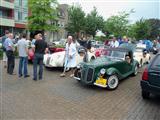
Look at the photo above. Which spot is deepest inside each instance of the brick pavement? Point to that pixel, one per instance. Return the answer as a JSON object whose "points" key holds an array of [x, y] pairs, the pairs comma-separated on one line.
{"points": [[64, 98]]}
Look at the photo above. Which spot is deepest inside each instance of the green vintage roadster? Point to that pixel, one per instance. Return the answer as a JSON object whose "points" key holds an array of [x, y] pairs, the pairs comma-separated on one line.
{"points": [[108, 70]]}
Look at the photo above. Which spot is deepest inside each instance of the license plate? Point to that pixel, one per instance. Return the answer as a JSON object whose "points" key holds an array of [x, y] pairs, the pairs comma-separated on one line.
{"points": [[101, 82]]}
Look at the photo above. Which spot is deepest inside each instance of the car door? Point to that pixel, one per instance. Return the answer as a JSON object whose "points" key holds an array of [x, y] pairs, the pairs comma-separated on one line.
{"points": [[154, 72]]}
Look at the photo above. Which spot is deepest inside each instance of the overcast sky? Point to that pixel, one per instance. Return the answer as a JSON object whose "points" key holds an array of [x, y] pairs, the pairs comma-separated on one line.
{"points": [[106, 8]]}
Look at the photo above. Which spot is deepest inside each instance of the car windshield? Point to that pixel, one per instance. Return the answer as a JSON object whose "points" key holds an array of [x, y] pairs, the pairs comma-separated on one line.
{"points": [[139, 50], [117, 54], [156, 63]]}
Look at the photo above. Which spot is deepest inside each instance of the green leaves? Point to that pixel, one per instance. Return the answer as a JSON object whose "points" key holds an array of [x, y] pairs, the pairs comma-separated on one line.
{"points": [[94, 22], [76, 19], [42, 15], [118, 24]]}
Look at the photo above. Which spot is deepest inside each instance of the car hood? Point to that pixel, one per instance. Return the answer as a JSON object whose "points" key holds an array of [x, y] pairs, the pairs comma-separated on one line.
{"points": [[103, 61]]}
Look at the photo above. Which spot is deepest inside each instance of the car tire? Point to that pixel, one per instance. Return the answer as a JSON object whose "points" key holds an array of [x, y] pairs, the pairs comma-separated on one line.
{"points": [[145, 94], [112, 82], [135, 70]]}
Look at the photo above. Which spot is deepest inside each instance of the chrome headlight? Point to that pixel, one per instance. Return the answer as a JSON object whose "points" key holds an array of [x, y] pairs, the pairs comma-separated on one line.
{"points": [[102, 71]]}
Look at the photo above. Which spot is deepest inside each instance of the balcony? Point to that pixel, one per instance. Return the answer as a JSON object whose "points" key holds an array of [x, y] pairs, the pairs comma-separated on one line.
{"points": [[6, 21], [7, 4]]}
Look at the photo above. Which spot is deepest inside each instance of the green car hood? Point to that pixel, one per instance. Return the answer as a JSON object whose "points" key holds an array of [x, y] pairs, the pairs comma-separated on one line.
{"points": [[103, 61]]}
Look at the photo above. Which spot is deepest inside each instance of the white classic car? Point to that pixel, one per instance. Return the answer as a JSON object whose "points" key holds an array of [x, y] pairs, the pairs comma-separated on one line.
{"points": [[57, 59], [141, 55]]}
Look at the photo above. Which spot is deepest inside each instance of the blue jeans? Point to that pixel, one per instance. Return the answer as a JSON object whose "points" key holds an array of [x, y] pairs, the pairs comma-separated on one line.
{"points": [[23, 62], [38, 60]]}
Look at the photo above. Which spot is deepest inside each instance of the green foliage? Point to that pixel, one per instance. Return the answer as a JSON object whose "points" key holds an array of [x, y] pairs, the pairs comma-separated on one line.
{"points": [[43, 15], [76, 19], [140, 30], [118, 24], [155, 28], [94, 22]]}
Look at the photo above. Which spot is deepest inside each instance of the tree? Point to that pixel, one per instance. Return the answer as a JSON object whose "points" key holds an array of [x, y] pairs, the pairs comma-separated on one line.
{"points": [[94, 22], [155, 28], [43, 15], [118, 24], [76, 20], [140, 30]]}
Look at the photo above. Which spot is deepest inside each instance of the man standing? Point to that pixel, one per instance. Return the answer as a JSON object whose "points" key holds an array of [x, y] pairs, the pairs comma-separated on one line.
{"points": [[40, 49], [4, 50], [114, 43], [9, 46], [23, 56]]}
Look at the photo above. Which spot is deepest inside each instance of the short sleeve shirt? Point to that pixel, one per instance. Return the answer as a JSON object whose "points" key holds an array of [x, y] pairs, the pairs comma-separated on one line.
{"points": [[40, 46], [8, 44], [22, 46]]}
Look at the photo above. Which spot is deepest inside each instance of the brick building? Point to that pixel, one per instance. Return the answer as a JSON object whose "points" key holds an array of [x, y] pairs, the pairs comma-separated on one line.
{"points": [[13, 15]]}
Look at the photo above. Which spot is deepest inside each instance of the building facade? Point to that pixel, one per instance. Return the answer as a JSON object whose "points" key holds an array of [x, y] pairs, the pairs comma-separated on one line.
{"points": [[13, 15], [61, 23]]}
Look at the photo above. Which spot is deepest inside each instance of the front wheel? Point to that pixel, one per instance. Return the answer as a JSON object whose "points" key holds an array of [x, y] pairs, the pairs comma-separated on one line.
{"points": [[113, 82], [135, 70]]}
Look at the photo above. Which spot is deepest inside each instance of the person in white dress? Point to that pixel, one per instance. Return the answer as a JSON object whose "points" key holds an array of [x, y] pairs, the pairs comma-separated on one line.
{"points": [[70, 56]]}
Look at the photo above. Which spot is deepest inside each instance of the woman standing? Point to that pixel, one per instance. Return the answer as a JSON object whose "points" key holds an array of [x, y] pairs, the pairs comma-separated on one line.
{"points": [[70, 56]]}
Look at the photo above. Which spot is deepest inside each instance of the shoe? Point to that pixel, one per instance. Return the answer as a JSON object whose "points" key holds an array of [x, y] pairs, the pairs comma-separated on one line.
{"points": [[40, 78], [71, 75], [34, 79], [62, 75], [26, 76], [20, 75], [12, 73]]}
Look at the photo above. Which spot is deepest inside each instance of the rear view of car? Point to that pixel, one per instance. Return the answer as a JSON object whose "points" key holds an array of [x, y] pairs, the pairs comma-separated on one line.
{"points": [[150, 82]]}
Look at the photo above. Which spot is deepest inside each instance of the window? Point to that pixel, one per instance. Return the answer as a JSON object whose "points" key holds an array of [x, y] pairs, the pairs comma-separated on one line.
{"points": [[16, 15], [25, 3], [156, 63], [24, 16]]}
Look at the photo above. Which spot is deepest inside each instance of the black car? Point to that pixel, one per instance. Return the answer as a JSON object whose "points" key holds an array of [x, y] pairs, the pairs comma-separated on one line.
{"points": [[150, 82]]}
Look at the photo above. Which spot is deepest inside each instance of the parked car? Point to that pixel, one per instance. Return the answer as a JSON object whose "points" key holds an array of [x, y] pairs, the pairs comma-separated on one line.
{"points": [[57, 59], [141, 55], [150, 83], [148, 44], [60, 42], [108, 70], [99, 52]]}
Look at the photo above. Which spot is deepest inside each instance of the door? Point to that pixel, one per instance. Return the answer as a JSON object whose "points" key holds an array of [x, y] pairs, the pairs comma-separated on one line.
{"points": [[154, 72]]}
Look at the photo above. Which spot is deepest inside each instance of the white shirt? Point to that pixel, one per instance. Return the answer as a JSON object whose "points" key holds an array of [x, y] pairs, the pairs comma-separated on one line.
{"points": [[114, 44], [22, 46]]}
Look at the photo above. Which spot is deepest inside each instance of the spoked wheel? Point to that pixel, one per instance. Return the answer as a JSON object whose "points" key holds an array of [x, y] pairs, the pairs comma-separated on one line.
{"points": [[135, 70], [113, 82]]}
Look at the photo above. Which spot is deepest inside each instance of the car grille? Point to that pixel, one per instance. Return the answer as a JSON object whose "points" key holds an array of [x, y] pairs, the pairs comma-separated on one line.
{"points": [[48, 60], [90, 74]]}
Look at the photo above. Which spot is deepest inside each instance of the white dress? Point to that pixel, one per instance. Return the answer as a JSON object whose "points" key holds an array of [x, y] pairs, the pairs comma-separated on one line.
{"points": [[70, 51]]}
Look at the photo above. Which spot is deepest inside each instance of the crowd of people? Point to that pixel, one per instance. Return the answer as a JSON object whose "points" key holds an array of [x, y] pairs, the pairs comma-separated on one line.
{"points": [[40, 48]]}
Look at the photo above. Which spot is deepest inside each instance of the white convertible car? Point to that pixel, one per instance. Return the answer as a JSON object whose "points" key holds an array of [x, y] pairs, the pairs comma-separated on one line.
{"points": [[57, 59], [140, 55]]}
